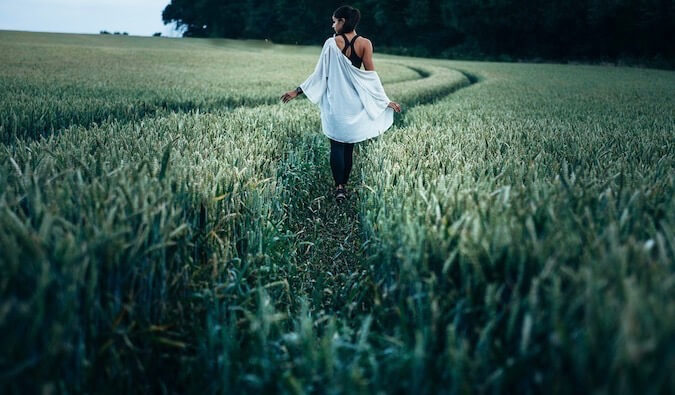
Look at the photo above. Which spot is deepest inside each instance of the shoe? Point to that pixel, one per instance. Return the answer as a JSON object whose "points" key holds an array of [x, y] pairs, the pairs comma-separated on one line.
{"points": [[340, 194]]}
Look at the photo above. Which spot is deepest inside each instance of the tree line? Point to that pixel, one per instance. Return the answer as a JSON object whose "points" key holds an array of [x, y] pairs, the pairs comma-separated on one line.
{"points": [[583, 30]]}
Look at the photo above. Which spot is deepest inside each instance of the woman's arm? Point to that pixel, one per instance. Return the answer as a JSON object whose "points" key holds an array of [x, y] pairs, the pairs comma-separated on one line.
{"points": [[368, 65], [368, 57], [315, 85]]}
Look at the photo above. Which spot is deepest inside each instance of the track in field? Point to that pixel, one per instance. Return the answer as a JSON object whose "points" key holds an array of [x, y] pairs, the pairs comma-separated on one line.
{"points": [[330, 243]]}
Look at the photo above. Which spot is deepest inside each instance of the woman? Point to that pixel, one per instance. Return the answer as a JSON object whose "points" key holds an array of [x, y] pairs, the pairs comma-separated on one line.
{"points": [[354, 106]]}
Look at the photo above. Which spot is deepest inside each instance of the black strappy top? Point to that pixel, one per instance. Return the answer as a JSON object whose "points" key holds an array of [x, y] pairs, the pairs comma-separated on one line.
{"points": [[356, 60]]}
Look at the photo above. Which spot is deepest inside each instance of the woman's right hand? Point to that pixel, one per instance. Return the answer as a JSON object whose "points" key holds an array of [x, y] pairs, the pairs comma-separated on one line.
{"points": [[395, 106]]}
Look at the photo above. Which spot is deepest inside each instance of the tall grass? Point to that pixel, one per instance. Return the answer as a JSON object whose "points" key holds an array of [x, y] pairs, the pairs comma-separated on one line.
{"points": [[516, 235], [108, 234], [523, 233], [50, 82]]}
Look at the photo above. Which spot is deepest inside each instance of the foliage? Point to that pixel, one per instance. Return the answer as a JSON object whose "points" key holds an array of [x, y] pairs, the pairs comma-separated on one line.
{"points": [[521, 29], [513, 236]]}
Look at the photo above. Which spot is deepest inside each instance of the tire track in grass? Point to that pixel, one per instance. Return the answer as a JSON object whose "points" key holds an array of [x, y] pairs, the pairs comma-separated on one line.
{"points": [[329, 235]]}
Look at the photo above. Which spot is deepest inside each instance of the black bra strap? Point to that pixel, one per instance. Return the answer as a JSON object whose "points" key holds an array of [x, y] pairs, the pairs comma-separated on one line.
{"points": [[346, 42], [349, 43]]}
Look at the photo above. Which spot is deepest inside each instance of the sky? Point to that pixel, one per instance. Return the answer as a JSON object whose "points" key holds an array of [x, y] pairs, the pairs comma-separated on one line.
{"points": [[136, 17]]}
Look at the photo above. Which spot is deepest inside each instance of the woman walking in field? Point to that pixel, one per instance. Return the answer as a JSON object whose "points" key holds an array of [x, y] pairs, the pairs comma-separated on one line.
{"points": [[354, 106]]}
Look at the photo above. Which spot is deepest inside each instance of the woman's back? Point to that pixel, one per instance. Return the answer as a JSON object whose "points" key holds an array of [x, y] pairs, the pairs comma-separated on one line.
{"points": [[355, 49]]}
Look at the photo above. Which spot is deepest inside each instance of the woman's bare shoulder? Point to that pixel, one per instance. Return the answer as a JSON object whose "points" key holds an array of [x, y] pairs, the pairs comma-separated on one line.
{"points": [[366, 43]]}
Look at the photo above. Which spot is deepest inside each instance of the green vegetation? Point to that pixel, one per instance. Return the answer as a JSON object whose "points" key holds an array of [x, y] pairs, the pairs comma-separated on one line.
{"points": [[52, 81], [513, 232], [622, 31]]}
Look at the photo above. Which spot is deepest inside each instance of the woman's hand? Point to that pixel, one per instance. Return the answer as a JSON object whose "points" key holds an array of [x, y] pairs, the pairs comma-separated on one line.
{"points": [[288, 96], [395, 106]]}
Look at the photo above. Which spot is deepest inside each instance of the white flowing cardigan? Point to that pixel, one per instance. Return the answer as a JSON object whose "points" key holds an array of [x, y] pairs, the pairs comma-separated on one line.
{"points": [[352, 101]]}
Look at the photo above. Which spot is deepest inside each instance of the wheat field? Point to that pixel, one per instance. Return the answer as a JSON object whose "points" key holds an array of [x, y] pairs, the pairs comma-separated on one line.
{"points": [[168, 225]]}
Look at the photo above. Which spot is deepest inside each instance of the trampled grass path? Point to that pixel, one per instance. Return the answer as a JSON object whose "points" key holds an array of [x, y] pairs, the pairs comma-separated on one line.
{"points": [[329, 234]]}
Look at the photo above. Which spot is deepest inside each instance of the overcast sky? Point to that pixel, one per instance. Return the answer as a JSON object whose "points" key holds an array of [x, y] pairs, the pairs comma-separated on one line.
{"points": [[137, 17]]}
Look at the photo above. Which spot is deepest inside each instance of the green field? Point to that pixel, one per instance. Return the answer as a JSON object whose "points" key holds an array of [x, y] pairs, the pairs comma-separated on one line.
{"points": [[168, 225]]}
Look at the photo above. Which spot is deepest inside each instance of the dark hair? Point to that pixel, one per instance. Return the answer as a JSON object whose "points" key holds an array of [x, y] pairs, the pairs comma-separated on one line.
{"points": [[351, 16]]}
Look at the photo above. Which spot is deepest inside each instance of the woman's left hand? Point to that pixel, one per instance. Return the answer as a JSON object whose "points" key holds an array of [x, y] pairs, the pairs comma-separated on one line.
{"points": [[288, 96]]}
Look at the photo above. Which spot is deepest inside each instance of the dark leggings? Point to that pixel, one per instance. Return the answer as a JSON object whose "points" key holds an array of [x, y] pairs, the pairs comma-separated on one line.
{"points": [[341, 160]]}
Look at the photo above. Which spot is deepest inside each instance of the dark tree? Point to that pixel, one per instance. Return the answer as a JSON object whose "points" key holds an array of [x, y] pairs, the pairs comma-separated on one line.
{"points": [[479, 29]]}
